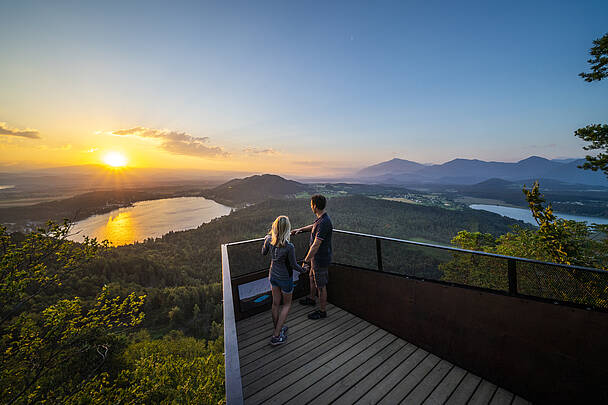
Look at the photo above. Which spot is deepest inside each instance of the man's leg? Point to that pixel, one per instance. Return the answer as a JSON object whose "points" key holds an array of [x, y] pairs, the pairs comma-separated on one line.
{"points": [[313, 287], [322, 298], [321, 277]]}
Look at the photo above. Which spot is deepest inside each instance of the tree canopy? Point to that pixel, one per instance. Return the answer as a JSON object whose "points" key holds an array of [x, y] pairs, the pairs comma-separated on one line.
{"points": [[596, 134], [599, 60]]}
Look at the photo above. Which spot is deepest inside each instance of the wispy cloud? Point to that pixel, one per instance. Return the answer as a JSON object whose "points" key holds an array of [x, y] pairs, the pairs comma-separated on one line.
{"points": [[22, 133], [179, 143], [91, 150], [257, 151]]}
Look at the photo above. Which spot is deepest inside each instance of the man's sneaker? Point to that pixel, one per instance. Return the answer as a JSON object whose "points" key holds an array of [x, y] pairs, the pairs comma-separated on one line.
{"points": [[307, 301], [284, 330], [318, 314], [278, 340]]}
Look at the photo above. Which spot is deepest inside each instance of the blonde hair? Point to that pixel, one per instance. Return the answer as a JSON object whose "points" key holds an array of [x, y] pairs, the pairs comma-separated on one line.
{"points": [[280, 231]]}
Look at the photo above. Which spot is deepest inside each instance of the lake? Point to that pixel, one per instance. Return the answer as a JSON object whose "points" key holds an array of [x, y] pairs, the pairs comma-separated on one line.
{"points": [[149, 219], [525, 215]]}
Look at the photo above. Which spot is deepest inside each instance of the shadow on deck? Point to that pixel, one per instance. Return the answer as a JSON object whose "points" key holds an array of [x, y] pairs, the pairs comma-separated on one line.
{"points": [[346, 360]]}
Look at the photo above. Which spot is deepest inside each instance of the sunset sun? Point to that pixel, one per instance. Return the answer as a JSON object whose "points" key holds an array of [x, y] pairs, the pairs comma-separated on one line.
{"points": [[115, 159]]}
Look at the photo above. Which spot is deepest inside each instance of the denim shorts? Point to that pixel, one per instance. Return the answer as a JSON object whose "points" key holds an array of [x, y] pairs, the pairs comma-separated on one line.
{"points": [[320, 276], [285, 285]]}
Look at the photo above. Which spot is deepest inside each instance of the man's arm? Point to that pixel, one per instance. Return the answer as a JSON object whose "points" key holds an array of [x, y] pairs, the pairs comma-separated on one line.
{"points": [[306, 228], [313, 250]]}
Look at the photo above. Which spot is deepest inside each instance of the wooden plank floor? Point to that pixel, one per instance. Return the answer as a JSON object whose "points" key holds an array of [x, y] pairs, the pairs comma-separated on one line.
{"points": [[345, 360]]}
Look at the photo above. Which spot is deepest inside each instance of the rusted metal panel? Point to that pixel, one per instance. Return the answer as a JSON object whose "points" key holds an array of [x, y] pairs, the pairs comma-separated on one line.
{"points": [[544, 352]]}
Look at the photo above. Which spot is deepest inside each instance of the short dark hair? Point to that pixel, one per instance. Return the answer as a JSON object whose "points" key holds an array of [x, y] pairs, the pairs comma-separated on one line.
{"points": [[318, 201]]}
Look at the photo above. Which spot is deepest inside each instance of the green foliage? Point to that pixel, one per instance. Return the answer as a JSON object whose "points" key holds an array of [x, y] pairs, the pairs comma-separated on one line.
{"points": [[49, 352], [563, 241], [36, 263], [475, 270], [599, 60], [173, 370], [597, 134]]}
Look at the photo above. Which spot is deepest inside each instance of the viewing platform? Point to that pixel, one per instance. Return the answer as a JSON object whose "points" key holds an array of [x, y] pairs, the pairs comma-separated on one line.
{"points": [[410, 322]]}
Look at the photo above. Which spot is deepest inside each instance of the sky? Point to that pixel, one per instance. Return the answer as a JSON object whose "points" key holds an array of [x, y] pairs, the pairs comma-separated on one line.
{"points": [[309, 88]]}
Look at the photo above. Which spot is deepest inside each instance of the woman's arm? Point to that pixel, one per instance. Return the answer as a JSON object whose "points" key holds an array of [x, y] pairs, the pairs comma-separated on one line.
{"points": [[266, 245], [291, 256]]}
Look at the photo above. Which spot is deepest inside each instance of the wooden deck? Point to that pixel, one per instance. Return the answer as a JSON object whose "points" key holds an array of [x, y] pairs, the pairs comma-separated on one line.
{"points": [[345, 360]]}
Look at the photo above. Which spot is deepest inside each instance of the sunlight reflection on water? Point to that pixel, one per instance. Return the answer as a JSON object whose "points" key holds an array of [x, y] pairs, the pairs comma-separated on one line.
{"points": [[149, 219]]}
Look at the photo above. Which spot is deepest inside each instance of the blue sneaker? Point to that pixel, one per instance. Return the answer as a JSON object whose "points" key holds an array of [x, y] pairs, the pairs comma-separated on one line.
{"points": [[278, 340], [284, 330]]}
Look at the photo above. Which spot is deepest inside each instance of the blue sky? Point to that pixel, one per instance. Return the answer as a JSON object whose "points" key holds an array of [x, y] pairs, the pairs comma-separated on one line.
{"points": [[332, 84]]}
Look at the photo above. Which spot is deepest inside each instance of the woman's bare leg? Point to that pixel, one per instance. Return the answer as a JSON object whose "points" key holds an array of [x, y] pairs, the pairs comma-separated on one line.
{"points": [[283, 313], [276, 301]]}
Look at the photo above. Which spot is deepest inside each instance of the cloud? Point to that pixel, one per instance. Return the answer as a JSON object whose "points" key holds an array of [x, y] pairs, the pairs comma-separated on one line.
{"points": [[179, 143], [256, 151], [23, 133], [91, 150]]}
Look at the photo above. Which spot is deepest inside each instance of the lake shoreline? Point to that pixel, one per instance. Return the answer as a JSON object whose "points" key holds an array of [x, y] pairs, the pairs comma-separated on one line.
{"points": [[524, 214], [149, 219]]}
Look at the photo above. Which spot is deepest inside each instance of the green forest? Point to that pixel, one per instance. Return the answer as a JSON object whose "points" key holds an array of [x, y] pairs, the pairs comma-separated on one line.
{"points": [[142, 323]]}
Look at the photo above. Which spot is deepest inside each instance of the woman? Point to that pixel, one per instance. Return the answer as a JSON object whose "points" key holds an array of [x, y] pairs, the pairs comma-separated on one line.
{"points": [[283, 262]]}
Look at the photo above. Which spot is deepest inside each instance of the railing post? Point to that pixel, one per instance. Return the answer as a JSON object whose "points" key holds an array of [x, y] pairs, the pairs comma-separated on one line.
{"points": [[512, 273], [379, 253]]}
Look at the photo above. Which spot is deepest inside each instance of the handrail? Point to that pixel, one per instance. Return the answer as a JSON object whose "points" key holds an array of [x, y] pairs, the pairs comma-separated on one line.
{"points": [[450, 248], [520, 259], [234, 387]]}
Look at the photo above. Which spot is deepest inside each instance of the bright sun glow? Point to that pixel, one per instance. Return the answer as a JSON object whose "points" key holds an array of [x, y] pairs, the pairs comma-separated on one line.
{"points": [[115, 159]]}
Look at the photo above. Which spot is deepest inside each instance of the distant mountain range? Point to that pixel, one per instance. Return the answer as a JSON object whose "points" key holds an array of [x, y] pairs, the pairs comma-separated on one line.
{"points": [[473, 171]]}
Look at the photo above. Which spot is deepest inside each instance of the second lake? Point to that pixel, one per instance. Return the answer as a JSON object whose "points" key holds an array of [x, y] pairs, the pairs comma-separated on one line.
{"points": [[525, 215]]}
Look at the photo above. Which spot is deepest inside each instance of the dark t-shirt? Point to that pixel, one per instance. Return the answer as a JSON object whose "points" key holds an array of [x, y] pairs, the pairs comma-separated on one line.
{"points": [[322, 229]]}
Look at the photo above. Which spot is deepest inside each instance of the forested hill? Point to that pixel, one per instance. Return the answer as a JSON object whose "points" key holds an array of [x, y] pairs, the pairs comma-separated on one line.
{"points": [[254, 189]]}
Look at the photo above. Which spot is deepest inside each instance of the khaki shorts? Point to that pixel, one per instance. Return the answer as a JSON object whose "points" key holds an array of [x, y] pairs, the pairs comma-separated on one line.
{"points": [[320, 276]]}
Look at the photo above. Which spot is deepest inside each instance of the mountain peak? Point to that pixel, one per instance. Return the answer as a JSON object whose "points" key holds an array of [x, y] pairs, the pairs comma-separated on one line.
{"points": [[394, 165], [534, 159], [256, 188]]}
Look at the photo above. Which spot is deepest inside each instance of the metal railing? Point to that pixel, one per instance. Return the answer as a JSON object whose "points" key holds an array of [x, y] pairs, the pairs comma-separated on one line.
{"points": [[515, 276], [242, 265]]}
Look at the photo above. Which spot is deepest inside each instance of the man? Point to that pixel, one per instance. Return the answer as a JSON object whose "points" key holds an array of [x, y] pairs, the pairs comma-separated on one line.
{"points": [[319, 255]]}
